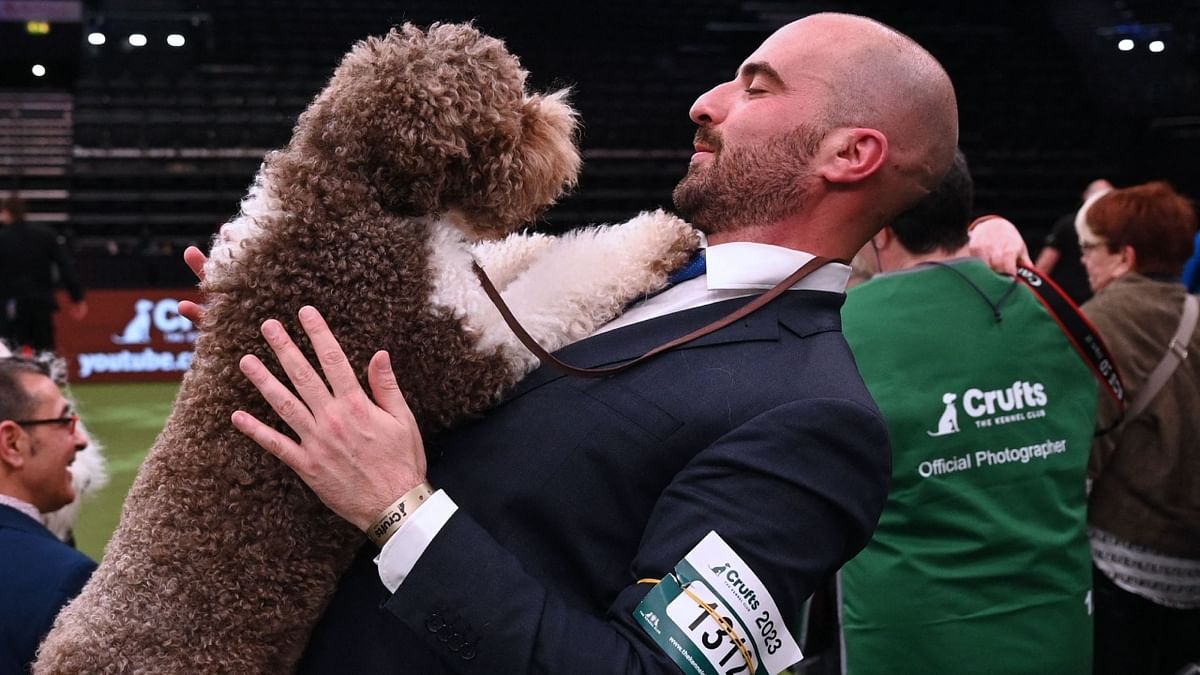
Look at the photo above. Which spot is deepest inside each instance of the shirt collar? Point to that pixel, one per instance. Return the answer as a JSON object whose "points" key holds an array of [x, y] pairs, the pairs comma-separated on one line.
{"points": [[744, 265], [22, 506]]}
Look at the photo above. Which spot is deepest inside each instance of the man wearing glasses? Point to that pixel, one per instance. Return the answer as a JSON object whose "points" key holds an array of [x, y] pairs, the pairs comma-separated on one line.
{"points": [[39, 437]]}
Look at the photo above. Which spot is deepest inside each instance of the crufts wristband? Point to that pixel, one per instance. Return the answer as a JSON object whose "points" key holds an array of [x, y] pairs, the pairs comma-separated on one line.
{"points": [[391, 518]]}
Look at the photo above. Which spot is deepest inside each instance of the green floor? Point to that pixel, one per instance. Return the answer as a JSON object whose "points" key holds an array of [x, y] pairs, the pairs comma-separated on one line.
{"points": [[126, 418]]}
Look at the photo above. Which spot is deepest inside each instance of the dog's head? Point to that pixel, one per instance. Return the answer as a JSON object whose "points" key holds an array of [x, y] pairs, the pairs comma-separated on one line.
{"points": [[440, 120]]}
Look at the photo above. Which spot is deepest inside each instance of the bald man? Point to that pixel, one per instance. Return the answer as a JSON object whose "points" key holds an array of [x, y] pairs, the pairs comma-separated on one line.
{"points": [[677, 515]]}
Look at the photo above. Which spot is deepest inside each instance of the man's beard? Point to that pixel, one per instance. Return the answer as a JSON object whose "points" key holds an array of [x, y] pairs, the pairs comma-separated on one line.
{"points": [[748, 187]]}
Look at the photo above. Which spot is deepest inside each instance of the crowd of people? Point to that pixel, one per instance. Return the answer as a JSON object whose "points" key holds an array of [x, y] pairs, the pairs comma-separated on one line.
{"points": [[938, 454]]}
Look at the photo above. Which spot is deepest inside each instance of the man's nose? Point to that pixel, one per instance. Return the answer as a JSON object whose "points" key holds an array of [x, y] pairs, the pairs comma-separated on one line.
{"points": [[709, 108]]}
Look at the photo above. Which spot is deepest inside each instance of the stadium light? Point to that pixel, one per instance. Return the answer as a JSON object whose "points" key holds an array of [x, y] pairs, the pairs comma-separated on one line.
{"points": [[38, 70], [137, 40], [1125, 45], [1157, 46], [96, 39], [175, 40]]}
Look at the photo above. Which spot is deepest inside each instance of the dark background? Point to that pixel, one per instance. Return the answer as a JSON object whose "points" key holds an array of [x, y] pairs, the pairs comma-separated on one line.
{"points": [[135, 152]]}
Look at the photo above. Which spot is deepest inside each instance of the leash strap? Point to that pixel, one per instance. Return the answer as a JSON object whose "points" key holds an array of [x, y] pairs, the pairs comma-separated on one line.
{"points": [[546, 357], [1079, 331]]}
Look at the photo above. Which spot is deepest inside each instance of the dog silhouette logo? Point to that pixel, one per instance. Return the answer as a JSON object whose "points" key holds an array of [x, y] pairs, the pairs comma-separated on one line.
{"points": [[948, 424], [137, 331]]}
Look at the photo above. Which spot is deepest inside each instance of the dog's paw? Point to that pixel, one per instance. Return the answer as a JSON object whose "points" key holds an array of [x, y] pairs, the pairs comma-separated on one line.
{"points": [[659, 241]]}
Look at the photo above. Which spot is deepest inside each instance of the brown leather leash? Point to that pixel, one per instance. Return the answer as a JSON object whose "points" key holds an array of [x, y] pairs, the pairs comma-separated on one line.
{"points": [[548, 358]]}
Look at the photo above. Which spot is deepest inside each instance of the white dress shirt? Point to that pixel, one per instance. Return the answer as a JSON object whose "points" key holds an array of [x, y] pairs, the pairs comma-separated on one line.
{"points": [[734, 270]]}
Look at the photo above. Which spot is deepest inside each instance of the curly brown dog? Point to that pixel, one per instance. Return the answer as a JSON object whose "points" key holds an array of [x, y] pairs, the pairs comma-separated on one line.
{"points": [[421, 143]]}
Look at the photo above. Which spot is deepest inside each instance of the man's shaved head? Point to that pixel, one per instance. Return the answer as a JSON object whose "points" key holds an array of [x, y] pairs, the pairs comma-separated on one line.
{"points": [[884, 80], [829, 130]]}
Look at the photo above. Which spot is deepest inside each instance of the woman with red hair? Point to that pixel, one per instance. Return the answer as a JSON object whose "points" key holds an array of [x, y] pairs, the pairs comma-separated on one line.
{"points": [[1144, 506]]}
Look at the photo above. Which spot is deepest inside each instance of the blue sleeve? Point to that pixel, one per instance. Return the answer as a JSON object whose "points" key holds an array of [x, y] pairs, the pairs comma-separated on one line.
{"points": [[1191, 270], [795, 492]]}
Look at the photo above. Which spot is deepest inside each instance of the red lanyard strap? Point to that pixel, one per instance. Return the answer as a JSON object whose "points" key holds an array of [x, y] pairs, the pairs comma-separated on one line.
{"points": [[1079, 331]]}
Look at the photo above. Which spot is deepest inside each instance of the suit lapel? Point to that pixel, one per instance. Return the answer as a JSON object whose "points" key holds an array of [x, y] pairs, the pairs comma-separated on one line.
{"points": [[803, 312]]}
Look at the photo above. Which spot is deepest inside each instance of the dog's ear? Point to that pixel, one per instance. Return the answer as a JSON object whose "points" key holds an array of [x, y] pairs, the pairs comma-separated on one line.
{"points": [[540, 162], [377, 118], [439, 119], [416, 113]]}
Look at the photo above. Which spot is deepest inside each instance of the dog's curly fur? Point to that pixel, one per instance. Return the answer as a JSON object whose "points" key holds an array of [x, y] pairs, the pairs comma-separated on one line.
{"points": [[421, 143]]}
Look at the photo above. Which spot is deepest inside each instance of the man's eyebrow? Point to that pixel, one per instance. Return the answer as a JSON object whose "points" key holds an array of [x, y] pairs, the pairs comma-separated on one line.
{"points": [[763, 69]]}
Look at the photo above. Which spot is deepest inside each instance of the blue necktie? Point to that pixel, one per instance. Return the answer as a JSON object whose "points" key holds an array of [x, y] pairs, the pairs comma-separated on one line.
{"points": [[694, 268]]}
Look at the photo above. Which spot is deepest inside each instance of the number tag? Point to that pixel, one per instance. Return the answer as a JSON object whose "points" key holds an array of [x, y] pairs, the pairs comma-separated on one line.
{"points": [[694, 639]]}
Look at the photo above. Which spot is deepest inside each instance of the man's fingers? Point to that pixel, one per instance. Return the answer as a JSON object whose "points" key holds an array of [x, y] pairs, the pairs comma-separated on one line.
{"points": [[271, 440], [191, 311], [282, 401], [195, 260], [304, 378], [329, 353], [384, 387]]}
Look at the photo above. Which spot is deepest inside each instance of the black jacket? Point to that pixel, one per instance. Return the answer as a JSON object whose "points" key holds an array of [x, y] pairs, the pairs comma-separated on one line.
{"points": [[572, 490], [30, 256]]}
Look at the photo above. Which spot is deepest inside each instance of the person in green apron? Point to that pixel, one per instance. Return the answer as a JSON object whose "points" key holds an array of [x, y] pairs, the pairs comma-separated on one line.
{"points": [[980, 563]]}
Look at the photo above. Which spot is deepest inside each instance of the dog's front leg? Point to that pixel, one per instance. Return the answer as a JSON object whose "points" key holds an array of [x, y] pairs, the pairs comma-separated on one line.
{"points": [[588, 276], [506, 259]]}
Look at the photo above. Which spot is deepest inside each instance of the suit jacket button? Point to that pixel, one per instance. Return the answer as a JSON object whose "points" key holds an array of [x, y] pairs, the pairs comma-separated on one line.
{"points": [[444, 633], [434, 623], [467, 652], [456, 642]]}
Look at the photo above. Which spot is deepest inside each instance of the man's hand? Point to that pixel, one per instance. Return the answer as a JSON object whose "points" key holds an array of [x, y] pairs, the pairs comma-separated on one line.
{"points": [[998, 242], [195, 260], [357, 456]]}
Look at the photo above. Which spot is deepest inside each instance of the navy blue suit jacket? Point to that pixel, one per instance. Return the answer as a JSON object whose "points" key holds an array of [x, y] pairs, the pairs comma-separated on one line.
{"points": [[573, 489], [38, 575]]}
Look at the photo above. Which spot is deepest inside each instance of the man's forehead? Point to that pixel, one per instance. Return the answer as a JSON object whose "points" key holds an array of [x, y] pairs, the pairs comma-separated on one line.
{"points": [[44, 391], [799, 51]]}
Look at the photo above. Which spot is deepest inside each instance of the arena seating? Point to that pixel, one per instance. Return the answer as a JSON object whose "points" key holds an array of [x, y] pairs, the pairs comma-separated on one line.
{"points": [[165, 143]]}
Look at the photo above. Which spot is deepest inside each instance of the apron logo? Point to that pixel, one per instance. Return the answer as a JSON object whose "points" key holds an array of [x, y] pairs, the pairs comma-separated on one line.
{"points": [[1018, 402], [948, 424]]}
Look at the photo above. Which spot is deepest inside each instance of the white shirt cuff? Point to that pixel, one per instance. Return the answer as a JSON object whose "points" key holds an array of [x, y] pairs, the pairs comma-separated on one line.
{"points": [[401, 552]]}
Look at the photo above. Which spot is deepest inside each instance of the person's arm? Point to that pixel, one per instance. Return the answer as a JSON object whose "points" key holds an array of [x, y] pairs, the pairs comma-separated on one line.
{"points": [[1191, 269], [999, 243], [70, 278], [1047, 259], [795, 492]]}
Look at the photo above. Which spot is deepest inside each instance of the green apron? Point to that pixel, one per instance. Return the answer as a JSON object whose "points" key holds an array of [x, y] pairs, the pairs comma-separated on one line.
{"points": [[981, 561]]}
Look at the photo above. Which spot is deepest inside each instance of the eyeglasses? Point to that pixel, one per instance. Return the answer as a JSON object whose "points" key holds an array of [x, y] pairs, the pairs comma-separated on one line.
{"points": [[69, 420]]}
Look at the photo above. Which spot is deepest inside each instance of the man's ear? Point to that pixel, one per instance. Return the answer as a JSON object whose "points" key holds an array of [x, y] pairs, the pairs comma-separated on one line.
{"points": [[883, 238], [10, 434], [857, 154]]}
